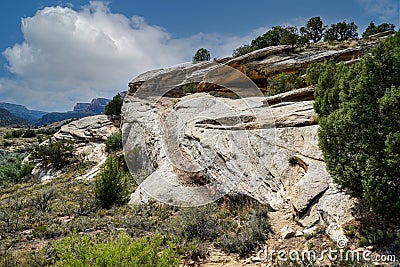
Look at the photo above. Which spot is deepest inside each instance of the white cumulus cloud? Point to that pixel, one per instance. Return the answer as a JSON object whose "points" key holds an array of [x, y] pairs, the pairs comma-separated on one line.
{"points": [[73, 55]]}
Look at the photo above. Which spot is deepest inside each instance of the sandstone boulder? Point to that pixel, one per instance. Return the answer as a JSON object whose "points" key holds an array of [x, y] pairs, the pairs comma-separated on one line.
{"points": [[93, 128], [88, 136], [191, 149], [237, 152]]}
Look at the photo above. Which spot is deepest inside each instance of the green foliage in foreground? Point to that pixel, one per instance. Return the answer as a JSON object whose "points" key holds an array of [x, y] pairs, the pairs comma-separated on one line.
{"points": [[76, 251], [114, 142], [314, 71], [360, 126], [331, 81], [11, 170], [284, 83], [111, 184]]}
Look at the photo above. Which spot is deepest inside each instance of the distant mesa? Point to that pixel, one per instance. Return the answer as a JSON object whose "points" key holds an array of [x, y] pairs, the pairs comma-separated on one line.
{"points": [[81, 110], [96, 106]]}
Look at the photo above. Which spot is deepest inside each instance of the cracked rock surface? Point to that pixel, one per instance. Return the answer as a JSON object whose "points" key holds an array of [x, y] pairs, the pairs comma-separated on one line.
{"points": [[213, 142], [267, 152]]}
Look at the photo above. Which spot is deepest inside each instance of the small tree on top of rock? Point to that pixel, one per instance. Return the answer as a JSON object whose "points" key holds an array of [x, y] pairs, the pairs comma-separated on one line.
{"points": [[270, 38], [245, 49], [278, 35], [341, 31], [372, 29], [314, 29], [289, 36], [114, 106], [201, 55]]}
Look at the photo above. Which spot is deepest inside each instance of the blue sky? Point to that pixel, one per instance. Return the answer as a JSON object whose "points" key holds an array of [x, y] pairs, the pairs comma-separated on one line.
{"points": [[57, 53]]}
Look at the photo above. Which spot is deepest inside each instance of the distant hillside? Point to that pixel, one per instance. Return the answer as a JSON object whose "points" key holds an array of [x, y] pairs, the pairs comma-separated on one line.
{"points": [[22, 111], [60, 116], [95, 107], [9, 119]]}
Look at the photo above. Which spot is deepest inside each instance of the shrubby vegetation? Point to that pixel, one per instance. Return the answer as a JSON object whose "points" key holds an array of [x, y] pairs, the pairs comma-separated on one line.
{"points": [[246, 238], [57, 154], [10, 168], [201, 55], [315, 30], [111, 184], [27, 133], [190, 88], [284, 83], [360, 126], [114, 142], [245, 49], [114, 106], [79, 250], [372, 29], [314, 71], [332, 79], [25, 171], [238, 226], [278, 35], [341, 31]]}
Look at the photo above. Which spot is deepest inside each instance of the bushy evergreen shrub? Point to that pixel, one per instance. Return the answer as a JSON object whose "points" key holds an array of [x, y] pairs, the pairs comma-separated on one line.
{"points": [[114, 142], [114, 106], [201, 55], [111, 184], [284, 83], [57, 154], [240, 51], [360, 126], [79, 250]]}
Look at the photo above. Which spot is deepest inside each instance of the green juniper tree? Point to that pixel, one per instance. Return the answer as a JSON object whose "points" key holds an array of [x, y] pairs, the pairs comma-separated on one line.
{"points": [[201, 55], [111, 184], [360, 126], [245, 49], [341, 31], [372, 29], [114, 106], [314, 29]]}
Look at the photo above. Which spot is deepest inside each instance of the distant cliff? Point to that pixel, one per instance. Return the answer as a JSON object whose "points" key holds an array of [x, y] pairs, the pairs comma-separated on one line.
{"points": [[95, 107]]}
